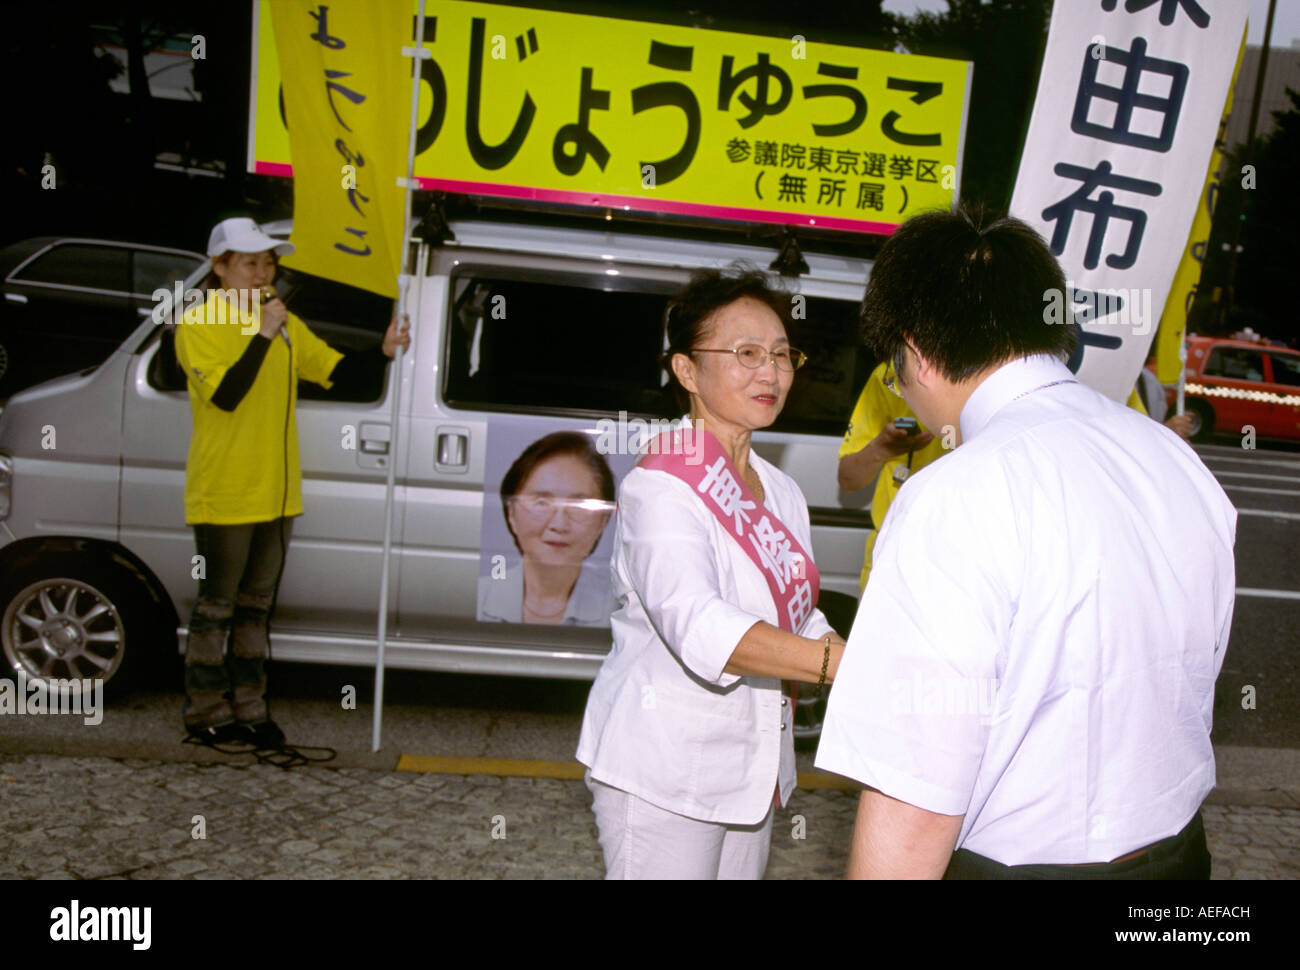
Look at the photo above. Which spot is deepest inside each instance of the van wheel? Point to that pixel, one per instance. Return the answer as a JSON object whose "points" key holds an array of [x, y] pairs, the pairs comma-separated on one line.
{"points": [[66, 619], [1202, 418], [808, 715], [839, 610]]}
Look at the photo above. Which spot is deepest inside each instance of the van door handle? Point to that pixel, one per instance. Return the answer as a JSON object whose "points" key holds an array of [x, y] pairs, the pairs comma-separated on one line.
{"points": [[372, 445], [15, 298], [452, 454]]}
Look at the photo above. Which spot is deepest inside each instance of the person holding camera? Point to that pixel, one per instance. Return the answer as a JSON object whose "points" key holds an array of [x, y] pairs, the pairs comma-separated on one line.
{"points": [[886, 443]]}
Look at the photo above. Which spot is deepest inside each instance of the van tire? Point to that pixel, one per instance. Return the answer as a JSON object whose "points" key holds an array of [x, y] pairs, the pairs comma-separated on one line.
{"points": [[839, 610], [99, 601], [1205, 418]]}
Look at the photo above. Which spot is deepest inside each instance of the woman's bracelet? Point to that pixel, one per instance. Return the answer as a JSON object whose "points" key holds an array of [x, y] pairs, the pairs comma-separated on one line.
{"points": [[826, 659]]}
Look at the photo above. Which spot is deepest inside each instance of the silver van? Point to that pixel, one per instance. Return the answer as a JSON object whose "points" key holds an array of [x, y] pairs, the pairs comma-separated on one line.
{"points": [[523, 329]]}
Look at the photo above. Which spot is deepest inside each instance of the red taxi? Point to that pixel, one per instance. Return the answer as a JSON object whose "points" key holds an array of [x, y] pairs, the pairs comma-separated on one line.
{"points": [[1232, 383]]}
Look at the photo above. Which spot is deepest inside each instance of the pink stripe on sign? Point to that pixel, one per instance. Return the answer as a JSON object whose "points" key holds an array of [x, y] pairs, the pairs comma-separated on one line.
{"points": [[604, 201], [658, 205], [696, 457]]}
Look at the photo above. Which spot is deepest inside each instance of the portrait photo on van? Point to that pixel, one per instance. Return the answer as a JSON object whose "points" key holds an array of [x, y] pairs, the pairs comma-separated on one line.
{"points": [[547, 533]]}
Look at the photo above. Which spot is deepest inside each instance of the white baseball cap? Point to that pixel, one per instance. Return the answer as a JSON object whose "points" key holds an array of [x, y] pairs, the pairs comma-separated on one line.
{"points": [[241, 235]]}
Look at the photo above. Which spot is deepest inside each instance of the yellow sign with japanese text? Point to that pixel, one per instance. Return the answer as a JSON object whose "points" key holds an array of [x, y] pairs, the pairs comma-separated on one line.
{"points": [[346, 92], [1173, 322], [622, 114]]}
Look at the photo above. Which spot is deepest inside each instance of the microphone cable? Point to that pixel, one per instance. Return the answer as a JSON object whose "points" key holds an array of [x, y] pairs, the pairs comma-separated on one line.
{"points": [[283, 755]]}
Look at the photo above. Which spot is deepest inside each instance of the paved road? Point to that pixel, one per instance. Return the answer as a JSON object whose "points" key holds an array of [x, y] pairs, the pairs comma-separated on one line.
{"points": [[1264, 647], [120, 798], [99, 818]]}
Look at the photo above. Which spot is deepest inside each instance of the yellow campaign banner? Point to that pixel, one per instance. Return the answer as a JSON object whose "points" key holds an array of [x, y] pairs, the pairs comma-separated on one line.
{"points": [[347, 99], [1173, 321], [622, 114]]}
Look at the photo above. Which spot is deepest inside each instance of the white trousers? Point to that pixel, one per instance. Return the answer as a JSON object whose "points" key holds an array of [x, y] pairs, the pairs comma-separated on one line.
{"points": [[643, 841]]}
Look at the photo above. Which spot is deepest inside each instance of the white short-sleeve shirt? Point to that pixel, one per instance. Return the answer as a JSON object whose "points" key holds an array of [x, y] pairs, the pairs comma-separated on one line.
{"points": [[663, 720], [1047, 612]]}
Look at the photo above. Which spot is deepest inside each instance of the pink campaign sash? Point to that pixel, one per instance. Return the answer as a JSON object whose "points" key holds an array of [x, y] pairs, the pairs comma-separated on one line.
{"points": [[791, 574]]}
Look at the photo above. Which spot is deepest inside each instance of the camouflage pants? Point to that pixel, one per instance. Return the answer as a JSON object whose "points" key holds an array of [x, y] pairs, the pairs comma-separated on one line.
{"points": [[241, 568]]}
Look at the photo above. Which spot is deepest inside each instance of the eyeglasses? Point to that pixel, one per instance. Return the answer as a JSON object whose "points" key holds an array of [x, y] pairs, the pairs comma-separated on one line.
{"points": [[890, 380], [754, 356], [544, 506]]}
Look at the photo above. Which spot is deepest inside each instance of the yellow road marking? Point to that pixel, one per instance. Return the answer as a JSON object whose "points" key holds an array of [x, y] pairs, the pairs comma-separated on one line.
{"points": [[502, 767], [567, 770], [820, 780]]}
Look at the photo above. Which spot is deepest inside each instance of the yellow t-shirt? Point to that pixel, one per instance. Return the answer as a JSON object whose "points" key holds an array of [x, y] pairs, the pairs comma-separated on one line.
{"points": [[1135, 402], [878, 406], [243, 464]]}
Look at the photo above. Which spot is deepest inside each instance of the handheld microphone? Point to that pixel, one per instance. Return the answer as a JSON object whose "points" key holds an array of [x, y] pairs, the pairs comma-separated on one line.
{"points": [[268, 294]]}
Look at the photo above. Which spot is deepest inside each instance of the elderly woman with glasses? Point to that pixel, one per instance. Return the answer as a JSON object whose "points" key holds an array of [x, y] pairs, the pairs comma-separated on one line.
{"points": [[687, 734]]}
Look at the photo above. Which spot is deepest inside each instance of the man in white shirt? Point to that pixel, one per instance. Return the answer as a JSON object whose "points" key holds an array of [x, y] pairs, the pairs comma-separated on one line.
{"points": [[1030, 679]]}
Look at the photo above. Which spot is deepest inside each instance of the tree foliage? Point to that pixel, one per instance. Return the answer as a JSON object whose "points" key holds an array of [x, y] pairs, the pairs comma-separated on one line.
{"points": [[1005, 41], [1266, 266]]}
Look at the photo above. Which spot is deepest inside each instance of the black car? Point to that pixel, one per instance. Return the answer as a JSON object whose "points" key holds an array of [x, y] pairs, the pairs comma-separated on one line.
{"points": [[69, 303]]}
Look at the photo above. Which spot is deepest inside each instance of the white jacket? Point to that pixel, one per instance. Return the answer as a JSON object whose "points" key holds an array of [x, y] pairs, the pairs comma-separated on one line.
{"points": [[663, 721]]}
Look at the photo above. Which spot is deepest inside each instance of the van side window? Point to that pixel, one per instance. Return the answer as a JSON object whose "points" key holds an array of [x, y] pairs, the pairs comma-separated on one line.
{"points": [[346, 318], [1235, 364], [521, 344], [826, 388]]}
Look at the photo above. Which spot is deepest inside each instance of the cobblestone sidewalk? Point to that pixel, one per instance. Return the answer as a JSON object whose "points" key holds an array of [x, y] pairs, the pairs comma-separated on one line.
{"points": [[97, 818]]}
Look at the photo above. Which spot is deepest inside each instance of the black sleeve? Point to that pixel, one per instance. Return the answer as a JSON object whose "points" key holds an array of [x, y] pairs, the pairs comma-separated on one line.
{"points": [[360, 372], [241, 375]]}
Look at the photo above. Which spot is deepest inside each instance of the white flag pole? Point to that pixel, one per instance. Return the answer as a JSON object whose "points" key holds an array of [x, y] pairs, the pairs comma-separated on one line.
{"points": [[1181, 397], [416, 52]]}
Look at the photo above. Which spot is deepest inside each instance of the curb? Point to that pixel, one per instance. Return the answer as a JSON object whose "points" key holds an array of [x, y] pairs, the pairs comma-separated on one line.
{"points": [[1257, 798]]}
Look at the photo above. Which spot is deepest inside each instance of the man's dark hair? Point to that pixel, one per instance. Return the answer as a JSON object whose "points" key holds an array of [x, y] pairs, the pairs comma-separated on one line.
{"points": [[709, 291], [968, 289]]}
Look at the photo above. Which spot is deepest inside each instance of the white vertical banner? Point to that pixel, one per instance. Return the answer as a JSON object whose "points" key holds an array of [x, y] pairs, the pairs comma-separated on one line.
{"points": [[1124, 122]]}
